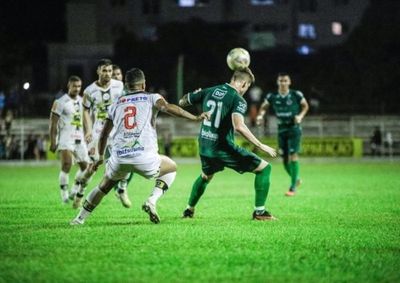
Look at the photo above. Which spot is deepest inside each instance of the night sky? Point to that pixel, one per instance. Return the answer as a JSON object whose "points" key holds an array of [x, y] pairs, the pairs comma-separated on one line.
{"points": [[35, 21]]}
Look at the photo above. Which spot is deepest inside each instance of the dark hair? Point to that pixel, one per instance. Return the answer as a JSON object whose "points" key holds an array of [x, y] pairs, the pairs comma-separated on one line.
{"points": [[244, 74], [74, 79], [134, 77], [104, 62], [116, 67], [283, 74]]}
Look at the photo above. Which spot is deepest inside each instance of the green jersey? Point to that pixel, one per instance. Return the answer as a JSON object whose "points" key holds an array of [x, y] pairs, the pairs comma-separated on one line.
{"points": [[285, 107], [221, 102]]}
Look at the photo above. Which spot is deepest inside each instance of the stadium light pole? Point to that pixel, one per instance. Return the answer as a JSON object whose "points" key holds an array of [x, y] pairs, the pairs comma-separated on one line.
{"points": [[25, 87], [179, 77]]}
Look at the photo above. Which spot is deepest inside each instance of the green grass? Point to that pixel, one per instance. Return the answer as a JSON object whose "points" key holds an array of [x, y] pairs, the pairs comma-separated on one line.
{"points": [[343, 226]]}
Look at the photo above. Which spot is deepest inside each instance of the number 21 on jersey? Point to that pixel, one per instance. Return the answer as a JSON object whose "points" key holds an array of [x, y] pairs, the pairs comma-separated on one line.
{"points": [[215, 119]]}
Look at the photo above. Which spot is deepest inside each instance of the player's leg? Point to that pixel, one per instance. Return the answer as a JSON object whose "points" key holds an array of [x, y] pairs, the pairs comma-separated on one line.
{"points": [[114, 173], [66, 163], [261, 187], [163, 182], [284, 150], [294, 148], [209, 167], [121, 191], [242, 160]]}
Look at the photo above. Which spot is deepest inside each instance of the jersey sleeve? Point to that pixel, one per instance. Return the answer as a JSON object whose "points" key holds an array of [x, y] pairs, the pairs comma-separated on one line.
{"points": [[57, 108], [239, 106], [268, 98], [196, 96], [299, 95], [87, 102], [155, 97]]}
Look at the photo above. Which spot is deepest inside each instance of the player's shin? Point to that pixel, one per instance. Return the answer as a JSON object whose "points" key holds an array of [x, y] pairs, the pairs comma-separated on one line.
{"points": [[294, 167], [163, 183], [64, 180], [261, 186], [198, 189], [91, 202], [77, 183]]}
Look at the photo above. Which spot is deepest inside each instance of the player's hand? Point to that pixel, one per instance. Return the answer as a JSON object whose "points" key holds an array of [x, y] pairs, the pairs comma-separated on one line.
{"points": [[267, 149], [88, 137], [53, 147], [298, 119], [203, 116], [259, 120]]}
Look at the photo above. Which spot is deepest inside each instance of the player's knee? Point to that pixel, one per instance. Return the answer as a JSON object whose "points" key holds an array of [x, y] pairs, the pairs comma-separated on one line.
{"points": [[66, 166], [207, 178]]}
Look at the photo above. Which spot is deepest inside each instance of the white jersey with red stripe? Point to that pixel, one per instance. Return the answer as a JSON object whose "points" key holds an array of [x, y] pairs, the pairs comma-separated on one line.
{"points": [[134, 135]]}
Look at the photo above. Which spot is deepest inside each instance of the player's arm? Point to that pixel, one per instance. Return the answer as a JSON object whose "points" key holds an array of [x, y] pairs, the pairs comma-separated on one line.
{"points": [[87, 120], [304, 109], [241, 128], [261, 112], [175, 110], [53, 131], [185, 100]]}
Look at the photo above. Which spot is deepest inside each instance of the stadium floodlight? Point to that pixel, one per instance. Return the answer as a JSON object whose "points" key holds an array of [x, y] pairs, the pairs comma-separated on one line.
{"points": [[26, 86]]}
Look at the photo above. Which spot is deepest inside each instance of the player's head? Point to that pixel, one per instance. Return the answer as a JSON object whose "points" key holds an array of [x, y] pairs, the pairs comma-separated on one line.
{"points": [[135, 79], [74, 86], [242, 80], [117, 73], [104, 70], [283, 81]]}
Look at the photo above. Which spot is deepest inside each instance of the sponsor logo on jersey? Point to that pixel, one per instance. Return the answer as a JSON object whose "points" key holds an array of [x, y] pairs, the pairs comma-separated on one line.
{"points": [[289, 102], [219, 93], [208, 135], [132, 99], [242, 107], [128, 151]]}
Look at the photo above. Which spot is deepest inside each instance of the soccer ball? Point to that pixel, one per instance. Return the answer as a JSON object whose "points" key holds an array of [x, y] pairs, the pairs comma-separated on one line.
{"points": [[238, 59]]}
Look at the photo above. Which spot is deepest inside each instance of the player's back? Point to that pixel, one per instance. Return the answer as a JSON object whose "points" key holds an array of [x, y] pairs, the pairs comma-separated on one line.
{"points": [[221, 102], [134, 134]]}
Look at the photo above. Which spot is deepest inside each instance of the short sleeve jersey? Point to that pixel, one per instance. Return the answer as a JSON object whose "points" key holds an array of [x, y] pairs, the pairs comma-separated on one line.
{"points": [[99, 100], [285, 106], [221, 101], [134, 134], [70, 112]]}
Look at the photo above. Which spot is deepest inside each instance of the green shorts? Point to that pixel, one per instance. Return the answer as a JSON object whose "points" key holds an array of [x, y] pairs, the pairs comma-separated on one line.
{"points": [[289, 140], [237, 158]]}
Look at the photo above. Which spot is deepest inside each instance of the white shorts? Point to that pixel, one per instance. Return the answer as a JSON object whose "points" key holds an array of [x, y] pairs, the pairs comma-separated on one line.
{"points": [[79, 151], [148, 167]]}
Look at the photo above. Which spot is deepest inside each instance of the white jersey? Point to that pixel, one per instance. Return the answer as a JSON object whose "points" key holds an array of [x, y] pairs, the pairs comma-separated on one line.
{"points": [[134, 135], [99, 100], [70, 111]]}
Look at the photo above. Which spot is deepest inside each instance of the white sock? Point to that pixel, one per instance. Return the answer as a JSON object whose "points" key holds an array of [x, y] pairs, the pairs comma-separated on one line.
{"points": [[155, 195], [259, 208], [63, 179], [157, 192]]}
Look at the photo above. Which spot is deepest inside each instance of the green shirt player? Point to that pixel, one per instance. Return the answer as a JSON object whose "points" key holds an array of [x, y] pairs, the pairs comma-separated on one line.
{"points": [[217, 147], [290, 107]]}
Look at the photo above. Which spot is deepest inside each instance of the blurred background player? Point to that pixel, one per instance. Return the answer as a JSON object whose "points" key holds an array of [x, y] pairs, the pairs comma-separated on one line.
{"points": [[290, 107], [134, 144], [66, 133], [217, 147], [97, 98], [121, 189]]}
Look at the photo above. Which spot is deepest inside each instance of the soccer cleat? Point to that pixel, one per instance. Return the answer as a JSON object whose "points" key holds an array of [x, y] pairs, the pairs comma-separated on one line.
{"points": [[123, 197], [188, 213], [290, 193], [150, 209], [77, 201], [77, 221], [264, 216], [64, 196]]}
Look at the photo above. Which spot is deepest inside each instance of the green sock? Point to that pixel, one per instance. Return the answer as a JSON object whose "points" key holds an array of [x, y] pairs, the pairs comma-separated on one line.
{"points": [[198, 189], [294, 168], [287, 167], [261, 185]]}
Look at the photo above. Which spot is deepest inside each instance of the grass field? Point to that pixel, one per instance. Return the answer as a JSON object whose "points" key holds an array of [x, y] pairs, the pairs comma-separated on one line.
{"points": [[343, 226]]}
